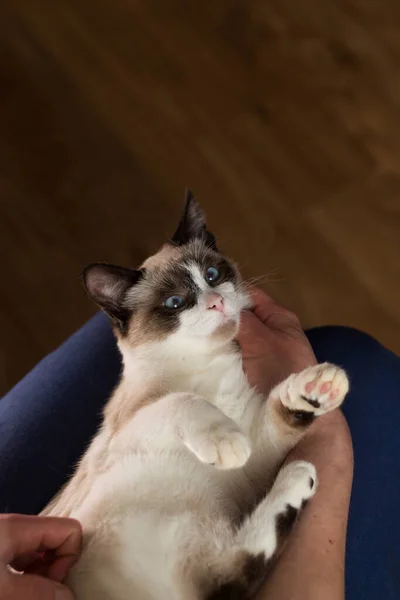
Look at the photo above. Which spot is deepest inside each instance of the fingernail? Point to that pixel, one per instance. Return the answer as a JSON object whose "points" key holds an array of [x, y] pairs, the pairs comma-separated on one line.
{"points": [[62, 593]]}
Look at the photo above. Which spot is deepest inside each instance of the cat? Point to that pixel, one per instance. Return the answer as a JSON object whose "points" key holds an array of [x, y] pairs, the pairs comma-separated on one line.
{"points": [[181, 493]]}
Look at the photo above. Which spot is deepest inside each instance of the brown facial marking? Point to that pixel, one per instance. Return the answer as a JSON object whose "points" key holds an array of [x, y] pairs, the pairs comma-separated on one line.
{"points": [[204, 256], [151, 320]]}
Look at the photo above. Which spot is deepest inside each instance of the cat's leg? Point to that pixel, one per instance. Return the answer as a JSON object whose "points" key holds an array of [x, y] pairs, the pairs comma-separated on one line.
{"points": [[267, 526], [263, 533], [188, 419], [294, 404]]}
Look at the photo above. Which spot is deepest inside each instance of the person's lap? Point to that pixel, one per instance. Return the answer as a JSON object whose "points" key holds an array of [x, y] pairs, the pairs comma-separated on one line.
{"points": [[372, 410], [47, 420]]}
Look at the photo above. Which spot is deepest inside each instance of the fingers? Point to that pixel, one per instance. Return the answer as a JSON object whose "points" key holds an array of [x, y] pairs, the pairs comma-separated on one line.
{"points": [[22, 563], [21, 537], [45, 564], [270, 312], [30, 587]]}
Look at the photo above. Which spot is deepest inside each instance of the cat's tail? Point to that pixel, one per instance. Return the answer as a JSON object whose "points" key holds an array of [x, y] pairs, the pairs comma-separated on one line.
{"points": [[262, 535]]}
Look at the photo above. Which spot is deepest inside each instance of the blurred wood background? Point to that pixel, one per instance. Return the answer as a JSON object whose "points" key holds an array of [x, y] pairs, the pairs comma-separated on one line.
{"points": [[282, 116]]}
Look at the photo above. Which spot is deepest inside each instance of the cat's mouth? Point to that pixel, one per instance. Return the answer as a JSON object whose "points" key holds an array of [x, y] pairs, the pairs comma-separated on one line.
{"points": [[228, 317], [227, 327], [225, 319]]}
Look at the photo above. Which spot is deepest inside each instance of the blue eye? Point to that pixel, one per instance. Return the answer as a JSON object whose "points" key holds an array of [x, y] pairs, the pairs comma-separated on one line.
{"points": [[174, 302], [212, 274]]}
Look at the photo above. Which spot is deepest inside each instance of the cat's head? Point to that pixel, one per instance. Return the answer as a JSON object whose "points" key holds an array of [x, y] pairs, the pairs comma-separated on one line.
{"points": [[188, 290]]}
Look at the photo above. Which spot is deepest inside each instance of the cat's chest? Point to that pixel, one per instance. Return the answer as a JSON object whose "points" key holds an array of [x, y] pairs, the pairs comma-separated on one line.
{"points": [[222, 384], [206, 379]]}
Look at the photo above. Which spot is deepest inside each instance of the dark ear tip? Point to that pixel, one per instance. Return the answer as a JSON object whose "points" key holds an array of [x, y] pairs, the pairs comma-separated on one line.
{"points": [[85, 271], [189, 196], [192, 224], [87, 268]]}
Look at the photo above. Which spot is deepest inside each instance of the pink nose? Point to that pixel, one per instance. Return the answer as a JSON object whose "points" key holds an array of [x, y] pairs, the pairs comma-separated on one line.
{"points": [[216, 302]]}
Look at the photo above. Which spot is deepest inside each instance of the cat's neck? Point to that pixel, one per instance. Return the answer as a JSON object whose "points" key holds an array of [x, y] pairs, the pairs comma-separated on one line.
{"points": [[174, 359]]}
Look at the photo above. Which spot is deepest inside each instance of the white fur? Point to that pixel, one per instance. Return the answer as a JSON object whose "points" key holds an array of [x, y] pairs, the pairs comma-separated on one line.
{"points": [[159, 518]]}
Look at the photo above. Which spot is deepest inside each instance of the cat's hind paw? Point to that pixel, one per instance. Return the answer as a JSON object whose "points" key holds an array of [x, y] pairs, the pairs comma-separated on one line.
{"points": [[295, 484]]}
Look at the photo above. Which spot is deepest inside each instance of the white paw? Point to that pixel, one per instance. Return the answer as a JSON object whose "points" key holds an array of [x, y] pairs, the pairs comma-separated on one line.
{"points": [[318, 389], [225, 446], [295, 484]]}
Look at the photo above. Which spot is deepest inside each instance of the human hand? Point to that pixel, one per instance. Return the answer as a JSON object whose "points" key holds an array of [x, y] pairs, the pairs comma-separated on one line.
{"points": [[44, 548], [273, 343]]}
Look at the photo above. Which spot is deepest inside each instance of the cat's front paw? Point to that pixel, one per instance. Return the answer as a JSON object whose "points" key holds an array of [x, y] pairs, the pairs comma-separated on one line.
{"points": [[224, 445], [318, 389]]}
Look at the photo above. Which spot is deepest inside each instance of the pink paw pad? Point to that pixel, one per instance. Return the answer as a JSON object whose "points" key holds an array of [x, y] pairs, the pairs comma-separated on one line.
{"points": [[334, 394], [310, 386], [325, 387]]}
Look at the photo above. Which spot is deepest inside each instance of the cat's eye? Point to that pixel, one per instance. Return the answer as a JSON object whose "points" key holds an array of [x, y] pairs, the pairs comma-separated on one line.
{"points": [[174, 302], [212, 274]]}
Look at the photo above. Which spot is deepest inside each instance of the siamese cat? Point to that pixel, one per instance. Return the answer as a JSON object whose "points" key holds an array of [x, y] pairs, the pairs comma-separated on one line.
{"points": [[181, 493]]}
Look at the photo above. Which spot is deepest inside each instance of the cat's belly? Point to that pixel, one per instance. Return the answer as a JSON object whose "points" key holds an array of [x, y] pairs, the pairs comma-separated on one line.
{"points": [[141, 556], [144, 518], [168, 481]]}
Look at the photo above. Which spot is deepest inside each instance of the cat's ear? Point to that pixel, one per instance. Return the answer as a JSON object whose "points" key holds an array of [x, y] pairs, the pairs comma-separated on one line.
{"points": [[193, 224], [107, 285]]}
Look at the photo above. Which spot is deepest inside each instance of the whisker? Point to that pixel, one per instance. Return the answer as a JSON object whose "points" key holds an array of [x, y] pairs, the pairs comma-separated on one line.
{"points": [[266, 278]]}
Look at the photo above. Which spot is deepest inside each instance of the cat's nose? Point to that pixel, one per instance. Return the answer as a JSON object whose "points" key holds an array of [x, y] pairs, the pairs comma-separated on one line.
{"points": [[215, 301]]}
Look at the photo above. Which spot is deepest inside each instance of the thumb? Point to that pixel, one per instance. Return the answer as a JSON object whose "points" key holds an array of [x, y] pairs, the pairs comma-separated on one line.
{"points": [[33, 587]]}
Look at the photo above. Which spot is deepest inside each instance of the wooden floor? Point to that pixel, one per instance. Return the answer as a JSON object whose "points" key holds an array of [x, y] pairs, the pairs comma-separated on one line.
{"points": [[282, 116]]}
